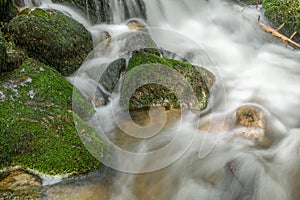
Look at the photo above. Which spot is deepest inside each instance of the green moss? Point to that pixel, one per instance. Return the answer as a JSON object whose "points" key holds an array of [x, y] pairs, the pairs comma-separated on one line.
{"points": [[52, 37], [40, 133], [284, 11], [191, 80]]}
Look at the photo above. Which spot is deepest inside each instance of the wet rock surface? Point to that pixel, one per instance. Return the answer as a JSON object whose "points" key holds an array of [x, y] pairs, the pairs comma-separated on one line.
{"points": [[19, 180]]}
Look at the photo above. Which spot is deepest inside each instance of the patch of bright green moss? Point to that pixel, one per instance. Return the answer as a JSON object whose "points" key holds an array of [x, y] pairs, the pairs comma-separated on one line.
{"points": [[40, 133]]}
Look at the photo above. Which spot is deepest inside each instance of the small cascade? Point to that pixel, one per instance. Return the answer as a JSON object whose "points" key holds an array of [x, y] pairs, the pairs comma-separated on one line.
{"points": [[123, 10], [32, 3]]}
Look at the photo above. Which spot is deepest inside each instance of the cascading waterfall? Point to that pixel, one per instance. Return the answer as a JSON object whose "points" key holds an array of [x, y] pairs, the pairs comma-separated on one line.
{"points": [[123, 10], [252, 68]]}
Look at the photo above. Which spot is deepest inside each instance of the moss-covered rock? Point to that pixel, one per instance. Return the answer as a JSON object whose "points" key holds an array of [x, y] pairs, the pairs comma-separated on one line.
{"points": [[3, 54], [170, 81], [37, 126], [284, 11], [52, 37], [7, 10]]}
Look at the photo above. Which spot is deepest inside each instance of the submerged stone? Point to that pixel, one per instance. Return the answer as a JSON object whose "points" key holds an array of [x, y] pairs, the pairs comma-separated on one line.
{"points": [[53, 38], [250, 116], [251, 125], [39, 133]]}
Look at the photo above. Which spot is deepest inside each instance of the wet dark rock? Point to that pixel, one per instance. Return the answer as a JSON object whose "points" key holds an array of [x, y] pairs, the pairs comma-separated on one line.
{"points": [[96, 11], [52, 37], [112, 74], [139, 41], [3, 54], [170, 81], [126, 43], [8, 10]]}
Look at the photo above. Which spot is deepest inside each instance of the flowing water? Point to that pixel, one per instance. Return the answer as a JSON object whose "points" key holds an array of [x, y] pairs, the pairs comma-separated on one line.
{"points": [[205, 156]]}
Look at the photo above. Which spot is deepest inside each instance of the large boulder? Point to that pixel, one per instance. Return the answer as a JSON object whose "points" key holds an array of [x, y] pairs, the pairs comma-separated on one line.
{"points": [[52, 37], [284, 11], [154, 81], [37, 123]]}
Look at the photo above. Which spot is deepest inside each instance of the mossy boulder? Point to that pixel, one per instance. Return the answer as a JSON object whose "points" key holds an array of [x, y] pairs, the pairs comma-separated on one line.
{"points": [[151, 80], [284, 11], [7, 10], [37, 125], [52, 37], [3, 54]]}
